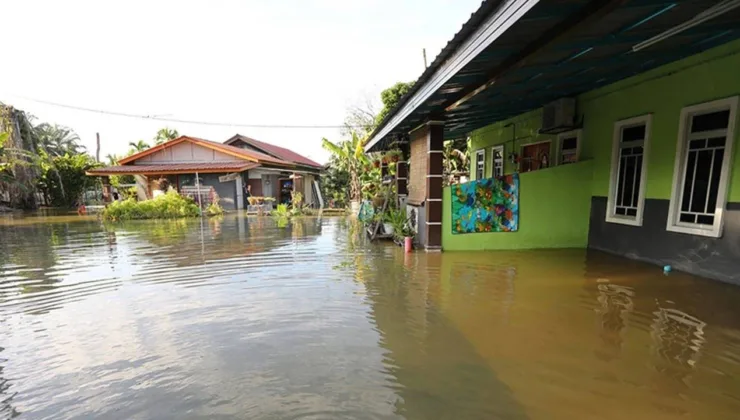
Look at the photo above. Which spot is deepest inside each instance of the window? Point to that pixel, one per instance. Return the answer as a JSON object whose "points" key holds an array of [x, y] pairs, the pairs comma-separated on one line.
{"points": [[629, 171], [480, 163], [535, 156], [702, 168], [569, 147], [497, 161]]}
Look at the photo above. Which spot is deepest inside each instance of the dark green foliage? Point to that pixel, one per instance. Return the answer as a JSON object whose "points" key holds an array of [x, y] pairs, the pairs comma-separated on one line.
{"points": [[391, 97], [57, 140], [63, 178], [335, 185]]}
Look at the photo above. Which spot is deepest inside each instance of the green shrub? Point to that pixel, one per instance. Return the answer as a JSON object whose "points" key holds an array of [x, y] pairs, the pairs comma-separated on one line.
{"points": [[214, 209], [166, 206], [281, 211]]}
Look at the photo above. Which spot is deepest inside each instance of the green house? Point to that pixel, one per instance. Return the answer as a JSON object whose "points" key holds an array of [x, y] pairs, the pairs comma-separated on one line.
{"points": [[620, 119]]}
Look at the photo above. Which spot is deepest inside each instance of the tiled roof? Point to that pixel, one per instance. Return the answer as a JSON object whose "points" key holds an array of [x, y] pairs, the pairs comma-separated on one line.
{"points": [[174, 168], [277, 151]]}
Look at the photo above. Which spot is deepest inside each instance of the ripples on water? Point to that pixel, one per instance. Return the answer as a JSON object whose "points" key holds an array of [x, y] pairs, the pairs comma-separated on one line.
{"points": [[238, 318]]}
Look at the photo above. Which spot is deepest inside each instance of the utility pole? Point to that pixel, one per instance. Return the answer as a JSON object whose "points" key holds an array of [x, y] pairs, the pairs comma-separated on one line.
{"points": [[424, 52], [97, 150]]}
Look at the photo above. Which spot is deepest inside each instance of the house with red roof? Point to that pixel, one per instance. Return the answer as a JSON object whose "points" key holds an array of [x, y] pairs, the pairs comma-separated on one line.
{"points": [[205, 168]]}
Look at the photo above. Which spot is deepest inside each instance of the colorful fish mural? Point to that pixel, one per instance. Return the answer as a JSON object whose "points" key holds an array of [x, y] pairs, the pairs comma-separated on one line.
{"points": [[486, 205]]}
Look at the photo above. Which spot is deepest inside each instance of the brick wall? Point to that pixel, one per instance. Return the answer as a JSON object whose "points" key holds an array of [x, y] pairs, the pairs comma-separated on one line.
{"points": [[418, 166]]}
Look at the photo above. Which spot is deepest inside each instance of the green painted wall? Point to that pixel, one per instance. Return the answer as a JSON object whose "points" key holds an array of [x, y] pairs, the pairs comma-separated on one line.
{"points": [[554, 208], [527, 126], [714, 74]]}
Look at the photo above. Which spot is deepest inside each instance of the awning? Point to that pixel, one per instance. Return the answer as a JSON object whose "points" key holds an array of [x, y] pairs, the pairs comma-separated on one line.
{"points": [[514, 56], [175, 168]]}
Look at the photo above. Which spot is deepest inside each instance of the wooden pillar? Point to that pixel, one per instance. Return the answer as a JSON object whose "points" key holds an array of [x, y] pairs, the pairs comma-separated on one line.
{"points": [[434, 173], [402, 177]]}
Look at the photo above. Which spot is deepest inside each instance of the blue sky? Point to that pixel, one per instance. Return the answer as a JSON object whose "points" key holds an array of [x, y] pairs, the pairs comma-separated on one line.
{"points": [[250, 62]]}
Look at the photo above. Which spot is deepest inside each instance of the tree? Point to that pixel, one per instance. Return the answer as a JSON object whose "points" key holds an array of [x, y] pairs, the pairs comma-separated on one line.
{"points": [[165, 134], [18, 157], [112, 159], [138, 146], [349, 155], [64, 178], [454, 161], [58, 140], [391, 97], [360, 118], [334, 184]]}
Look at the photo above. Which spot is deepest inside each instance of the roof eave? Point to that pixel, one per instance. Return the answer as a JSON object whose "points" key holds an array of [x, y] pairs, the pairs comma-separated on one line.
{"points": [[483, 27]]}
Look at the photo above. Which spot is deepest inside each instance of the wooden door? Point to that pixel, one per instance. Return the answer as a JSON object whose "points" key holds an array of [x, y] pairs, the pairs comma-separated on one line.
{"points": [[256, 185]]}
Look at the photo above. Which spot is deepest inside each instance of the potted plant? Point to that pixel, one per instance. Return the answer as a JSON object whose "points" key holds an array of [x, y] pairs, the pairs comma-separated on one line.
{"points": [[394, 155], [408, 234], [378, 200], [394, 221]]}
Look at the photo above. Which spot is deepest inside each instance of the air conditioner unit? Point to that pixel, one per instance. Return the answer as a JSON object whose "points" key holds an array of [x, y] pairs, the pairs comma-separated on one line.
{"points": [[559, 116]]}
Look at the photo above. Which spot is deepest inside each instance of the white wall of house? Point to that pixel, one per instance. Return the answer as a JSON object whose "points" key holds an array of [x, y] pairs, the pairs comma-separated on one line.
{"points": [[186, 152], [256, 174]]}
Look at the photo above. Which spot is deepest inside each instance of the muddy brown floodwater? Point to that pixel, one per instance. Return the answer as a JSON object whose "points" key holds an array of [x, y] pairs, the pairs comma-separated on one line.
{"points": [[239, 318]]}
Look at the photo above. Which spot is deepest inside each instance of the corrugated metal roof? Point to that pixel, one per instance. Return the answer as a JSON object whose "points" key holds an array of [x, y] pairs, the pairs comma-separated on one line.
{"points": [[173, 168], [558, 48], [277, 151]]}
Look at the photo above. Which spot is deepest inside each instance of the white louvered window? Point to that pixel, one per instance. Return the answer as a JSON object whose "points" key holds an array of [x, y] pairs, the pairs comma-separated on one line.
{"points": [[497, 161], [480, 164], [702, 167], [628, 171]]}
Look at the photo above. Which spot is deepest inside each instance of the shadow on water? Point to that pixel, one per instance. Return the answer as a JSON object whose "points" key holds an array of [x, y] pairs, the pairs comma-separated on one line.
{"points": [[439, 373], [240, 317]]}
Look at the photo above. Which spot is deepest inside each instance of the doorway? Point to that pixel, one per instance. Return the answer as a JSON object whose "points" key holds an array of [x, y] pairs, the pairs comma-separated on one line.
{"points": [[286, 188]]}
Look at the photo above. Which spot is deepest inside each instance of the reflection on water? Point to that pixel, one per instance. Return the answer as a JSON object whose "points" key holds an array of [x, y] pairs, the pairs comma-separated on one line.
{"points": [[241, 318]]}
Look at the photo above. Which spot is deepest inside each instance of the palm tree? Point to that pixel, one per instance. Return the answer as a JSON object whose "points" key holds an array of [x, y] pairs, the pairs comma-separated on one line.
{"points": [[165, 134], [350, 156], [58, 140], [112, 159], [138, 146]]}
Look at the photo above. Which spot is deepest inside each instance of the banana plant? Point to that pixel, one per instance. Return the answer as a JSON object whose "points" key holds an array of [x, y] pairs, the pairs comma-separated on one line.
{"points": [[350, 155]]}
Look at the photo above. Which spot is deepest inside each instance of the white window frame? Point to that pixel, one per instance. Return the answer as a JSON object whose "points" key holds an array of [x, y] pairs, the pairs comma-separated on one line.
{"points": [[573, 133], [679, 169], [493, 159], [482, 154], [611, 216]]}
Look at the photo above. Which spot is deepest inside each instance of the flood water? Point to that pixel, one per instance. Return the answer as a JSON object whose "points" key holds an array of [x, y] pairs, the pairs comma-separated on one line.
{"points": [[239, 318]]}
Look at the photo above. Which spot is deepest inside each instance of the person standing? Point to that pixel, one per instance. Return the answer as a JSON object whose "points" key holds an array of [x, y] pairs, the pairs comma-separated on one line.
{"points": [[247, 194]]}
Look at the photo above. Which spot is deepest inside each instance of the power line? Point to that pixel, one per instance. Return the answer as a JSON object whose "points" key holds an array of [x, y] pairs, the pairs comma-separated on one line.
{"points": [[177, 120]]}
